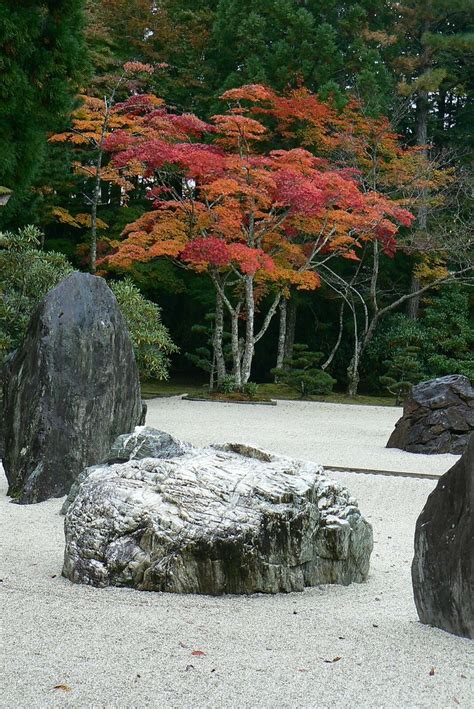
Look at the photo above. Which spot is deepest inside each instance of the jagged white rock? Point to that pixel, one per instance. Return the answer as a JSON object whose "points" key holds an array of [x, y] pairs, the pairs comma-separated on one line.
{"points": [[215, 520]]}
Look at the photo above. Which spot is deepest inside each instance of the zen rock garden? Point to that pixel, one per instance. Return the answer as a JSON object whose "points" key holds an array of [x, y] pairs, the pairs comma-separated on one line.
{"points": [[152, 512], [145, 511]]}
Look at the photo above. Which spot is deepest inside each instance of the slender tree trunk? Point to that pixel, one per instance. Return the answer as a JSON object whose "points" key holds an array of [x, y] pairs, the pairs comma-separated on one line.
{"points": [[360, 345], [95, 202], [282, 333], [212, 372], [236, 358], [353, 377], [292, 308], [353, 368], [421, 129], [218, 339], [332, 354], [249, 344]]}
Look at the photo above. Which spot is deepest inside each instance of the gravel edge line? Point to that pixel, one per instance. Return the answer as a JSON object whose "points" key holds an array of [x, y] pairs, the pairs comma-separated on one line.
{"points": [[395, 473]]}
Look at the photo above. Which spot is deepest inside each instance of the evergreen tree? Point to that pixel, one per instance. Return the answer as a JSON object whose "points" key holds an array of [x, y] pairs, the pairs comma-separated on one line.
{"points": [[330, 46], [432, 58], [41, 61], [448, 330], [435, 42], [403, 371], [302, 372]]}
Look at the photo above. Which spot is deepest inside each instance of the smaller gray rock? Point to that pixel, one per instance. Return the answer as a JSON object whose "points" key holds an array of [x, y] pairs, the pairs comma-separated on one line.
{"points": [[146, 442]]}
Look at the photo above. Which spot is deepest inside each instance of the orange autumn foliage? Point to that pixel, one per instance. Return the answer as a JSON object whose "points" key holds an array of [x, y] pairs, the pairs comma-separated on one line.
{"points": [[224, 201]]}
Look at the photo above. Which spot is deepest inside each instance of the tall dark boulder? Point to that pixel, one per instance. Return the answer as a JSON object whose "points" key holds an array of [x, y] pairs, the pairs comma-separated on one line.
{"points": [[69, 390], [443, 566], [438, 417]]}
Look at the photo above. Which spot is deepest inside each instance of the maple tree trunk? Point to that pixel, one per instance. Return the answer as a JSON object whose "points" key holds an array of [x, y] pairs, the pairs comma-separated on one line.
{"points": [[218, 339], [353, 377], [282, 333], [334, 350], [292, 308], [95, 202], [249, 345], [236, 361]]}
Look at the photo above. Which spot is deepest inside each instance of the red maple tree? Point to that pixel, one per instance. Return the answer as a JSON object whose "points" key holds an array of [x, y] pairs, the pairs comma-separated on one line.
{"points": [[258, 221]]}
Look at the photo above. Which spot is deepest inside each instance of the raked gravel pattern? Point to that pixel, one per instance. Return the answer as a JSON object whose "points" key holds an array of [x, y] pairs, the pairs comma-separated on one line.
{"points": [[119, 648], [350, 436]]}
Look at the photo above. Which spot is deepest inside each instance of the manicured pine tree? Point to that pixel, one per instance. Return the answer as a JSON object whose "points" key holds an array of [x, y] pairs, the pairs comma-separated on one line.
{"points": [[303, 372]]}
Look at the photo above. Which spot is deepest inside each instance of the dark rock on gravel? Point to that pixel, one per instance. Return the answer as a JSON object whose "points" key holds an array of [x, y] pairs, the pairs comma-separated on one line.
{"points": [[70, 389], [443, 566], [438, 417]]}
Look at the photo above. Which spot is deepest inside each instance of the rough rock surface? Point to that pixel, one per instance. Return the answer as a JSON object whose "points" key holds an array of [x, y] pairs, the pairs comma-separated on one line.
{"points": [[443, 565], [70, 389], [438, 417], [146, 442], [228, 520], [143, 442]]}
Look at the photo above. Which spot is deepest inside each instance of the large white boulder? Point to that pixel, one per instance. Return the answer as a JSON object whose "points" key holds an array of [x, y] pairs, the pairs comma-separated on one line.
{"points": [[214, 520]]}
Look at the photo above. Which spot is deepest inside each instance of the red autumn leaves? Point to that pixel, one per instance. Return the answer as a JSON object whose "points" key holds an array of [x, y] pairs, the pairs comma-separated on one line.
{"points": [[225, 198]]}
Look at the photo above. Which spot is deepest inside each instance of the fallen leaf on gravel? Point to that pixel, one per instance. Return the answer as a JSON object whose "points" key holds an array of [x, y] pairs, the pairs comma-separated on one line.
{"points": [[334, 659], [198, 653], [374, 625], [463, 676], [64, 687], [189, 667], [456, 701], [432, 671], [53, 576], [183, 645], [301, 669]]}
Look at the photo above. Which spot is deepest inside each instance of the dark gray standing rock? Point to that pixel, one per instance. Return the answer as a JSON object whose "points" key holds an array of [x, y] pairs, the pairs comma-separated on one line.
{"points": [[443, 565], [438, 417], [70, 390], [228, 520]]}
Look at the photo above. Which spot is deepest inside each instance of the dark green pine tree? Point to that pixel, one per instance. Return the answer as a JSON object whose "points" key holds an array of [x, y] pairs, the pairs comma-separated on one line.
{"points": [[432, 58], [303, 373], [403, 371], [330, 46], [42, 59]]}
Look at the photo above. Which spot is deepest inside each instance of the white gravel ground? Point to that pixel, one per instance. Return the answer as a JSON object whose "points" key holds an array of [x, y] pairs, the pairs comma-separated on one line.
{"points": [[349, 436], [122, 648]]}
